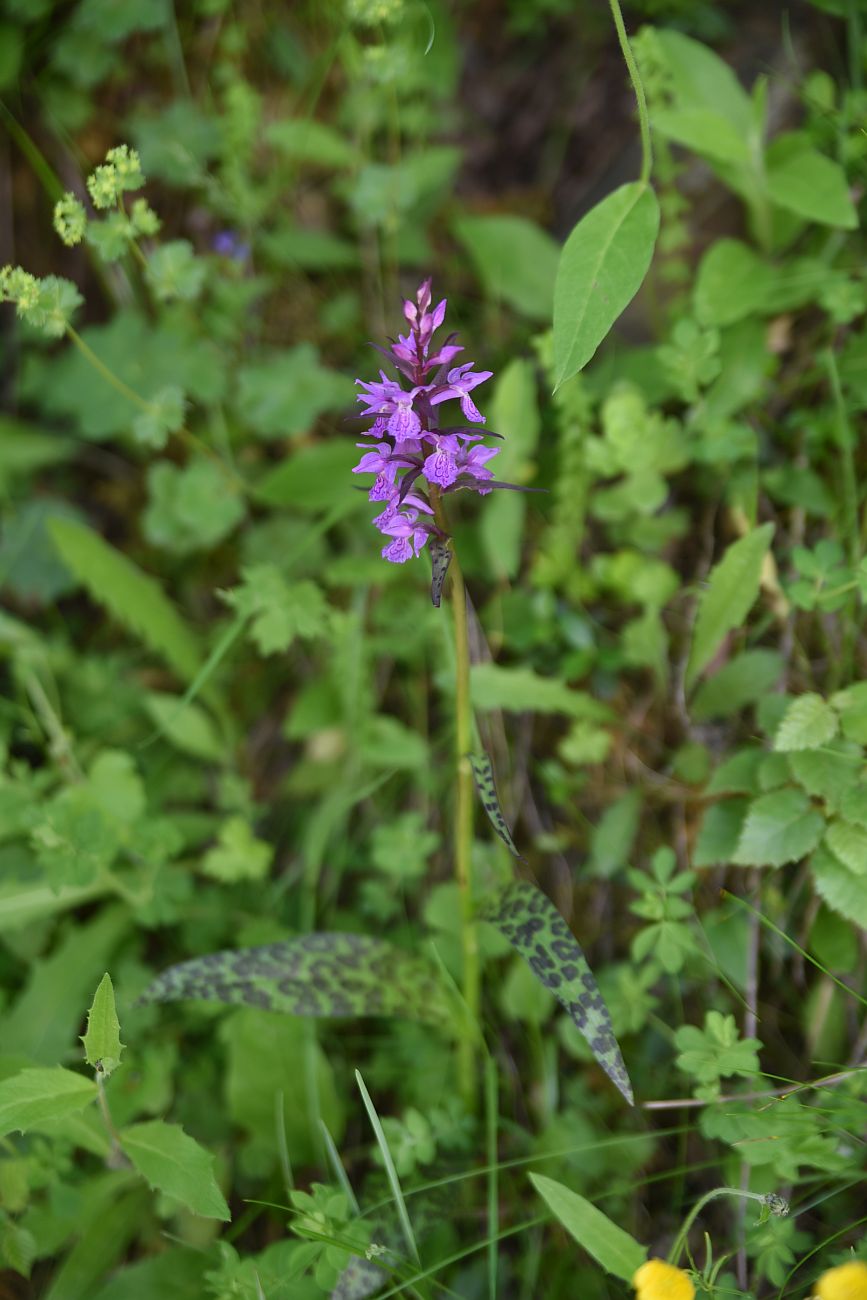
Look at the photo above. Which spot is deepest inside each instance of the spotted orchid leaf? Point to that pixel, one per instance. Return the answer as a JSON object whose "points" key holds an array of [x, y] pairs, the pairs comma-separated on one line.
{"points": [[323, 974], [483, 775], [537, 931]]}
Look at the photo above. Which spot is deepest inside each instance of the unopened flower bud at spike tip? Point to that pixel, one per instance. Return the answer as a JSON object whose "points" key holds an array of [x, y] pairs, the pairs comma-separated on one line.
{"points": [[406, 444]]}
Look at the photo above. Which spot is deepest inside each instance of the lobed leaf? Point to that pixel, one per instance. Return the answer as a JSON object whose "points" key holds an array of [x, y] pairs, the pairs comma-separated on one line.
{"points": [[323, 974], [537, 931]]}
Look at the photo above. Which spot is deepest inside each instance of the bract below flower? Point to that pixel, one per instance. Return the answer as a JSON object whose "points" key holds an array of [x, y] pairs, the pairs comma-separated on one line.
{"points": [[657, 1280], [846, 1282]]}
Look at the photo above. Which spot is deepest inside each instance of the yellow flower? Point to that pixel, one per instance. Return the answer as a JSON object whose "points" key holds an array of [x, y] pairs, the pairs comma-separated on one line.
{"points": [[848, 1282], [657, 1280]]}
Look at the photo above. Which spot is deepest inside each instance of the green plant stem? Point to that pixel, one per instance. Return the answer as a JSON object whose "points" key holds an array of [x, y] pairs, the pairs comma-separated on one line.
{"points": [[116, 1159], [680, 1240], [463, 832], [635, 78]]}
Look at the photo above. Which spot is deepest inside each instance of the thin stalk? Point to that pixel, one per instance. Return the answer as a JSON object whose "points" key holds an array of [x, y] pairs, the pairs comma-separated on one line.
{"points": [[635, 78], [116, 1158], [775, 1204], [464, 807]]}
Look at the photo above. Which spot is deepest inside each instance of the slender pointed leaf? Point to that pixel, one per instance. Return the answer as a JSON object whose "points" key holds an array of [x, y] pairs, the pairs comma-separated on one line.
{"points": [[617, 1251], [537, 931], [483, 775]]}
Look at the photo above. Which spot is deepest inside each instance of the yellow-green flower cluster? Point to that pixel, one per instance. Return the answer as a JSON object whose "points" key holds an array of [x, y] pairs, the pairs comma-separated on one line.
{"points": [[45, 304], [70, 220], [120, 171], [846, 1282], [657, 1280]]}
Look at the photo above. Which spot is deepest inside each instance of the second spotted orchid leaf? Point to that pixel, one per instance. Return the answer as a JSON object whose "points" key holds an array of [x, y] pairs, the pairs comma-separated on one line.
{"points": [[538, 932], [322, 974]]}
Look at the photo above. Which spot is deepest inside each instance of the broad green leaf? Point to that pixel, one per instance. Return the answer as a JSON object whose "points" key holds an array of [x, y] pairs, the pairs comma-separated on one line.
{"points": [[25, 449], [831, 774], [780, 827], [851, 704], [519, 690], [174, 1163], [174, 272], [808, 723], [483, 775], [732, 282], [29, 1098], [724, 604], [537, 931], [131, 596], [618, 1252], [740, 682], [265, 1056], [191, 508], [849, 844], [701, 79], [704, 131], [185, 725], [515, 260], [840, 888], [284, 394], [307, 141], [102, 1045], [315, 477], [806, 182], [602, 266], [318, 974]]}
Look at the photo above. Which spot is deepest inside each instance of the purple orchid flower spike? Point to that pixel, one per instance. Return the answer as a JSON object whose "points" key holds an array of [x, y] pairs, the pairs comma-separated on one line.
{"points": [[412, 457]]}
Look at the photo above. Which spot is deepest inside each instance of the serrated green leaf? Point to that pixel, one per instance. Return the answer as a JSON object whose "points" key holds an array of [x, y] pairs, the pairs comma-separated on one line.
{"points": [[319, 974], [779, 827], [132, 597], [32, 1096], [174, 1163], [840, 888], [732, 587], [537, 931], [617, 1252], [808, 723], [849, 844], [279, 610], [102, 1045], [602, 266]]}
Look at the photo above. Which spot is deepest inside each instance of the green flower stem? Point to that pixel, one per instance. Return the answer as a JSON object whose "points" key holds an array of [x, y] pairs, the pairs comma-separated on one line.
{"points": [[777, 1207], [635, 78], [463, 829]]}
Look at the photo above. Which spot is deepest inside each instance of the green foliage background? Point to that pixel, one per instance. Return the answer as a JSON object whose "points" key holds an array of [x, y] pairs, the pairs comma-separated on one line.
{"points": [[227, 724]]}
